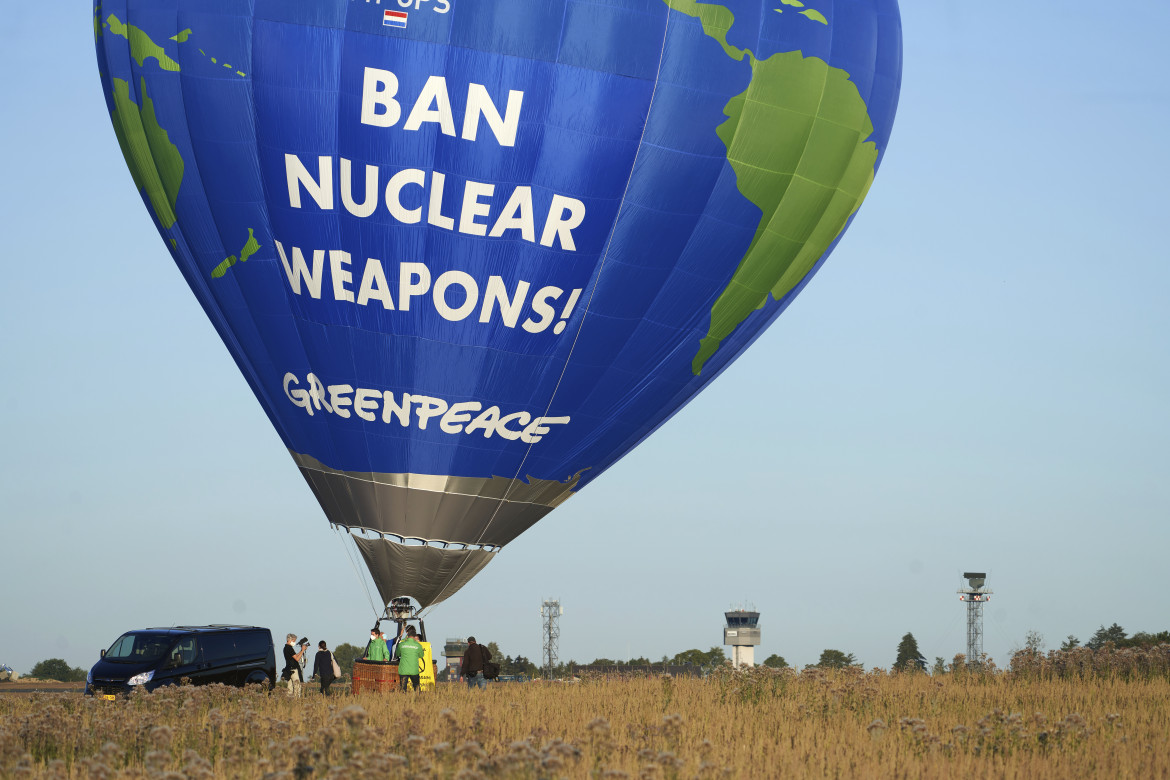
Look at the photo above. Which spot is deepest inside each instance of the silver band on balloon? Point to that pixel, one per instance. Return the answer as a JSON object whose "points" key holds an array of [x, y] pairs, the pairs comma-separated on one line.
{"points": [[445, 510], [428, 574]]}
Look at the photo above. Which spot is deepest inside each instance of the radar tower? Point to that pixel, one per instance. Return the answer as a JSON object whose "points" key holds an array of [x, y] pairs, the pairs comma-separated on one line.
{"points": [[976, 594]]}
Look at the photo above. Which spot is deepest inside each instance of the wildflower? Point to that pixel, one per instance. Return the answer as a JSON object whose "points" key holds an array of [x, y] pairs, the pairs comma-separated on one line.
{"points": [[470, 751], [196, 767], [97, 770], [563, 749], [156, 761], [112, 753], [598, 726], [353, 715], [300, 745]]}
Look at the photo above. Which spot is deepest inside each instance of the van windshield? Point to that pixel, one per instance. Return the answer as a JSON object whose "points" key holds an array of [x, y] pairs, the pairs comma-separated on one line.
{"points": [[139, 648]]}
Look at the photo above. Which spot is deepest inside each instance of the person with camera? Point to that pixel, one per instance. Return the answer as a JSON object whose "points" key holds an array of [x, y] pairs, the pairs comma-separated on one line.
{"points": [[293, 661]]}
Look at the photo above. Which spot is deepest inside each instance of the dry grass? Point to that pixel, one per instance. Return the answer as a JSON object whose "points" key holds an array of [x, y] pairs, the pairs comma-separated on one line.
{"points": [[758, 724]]}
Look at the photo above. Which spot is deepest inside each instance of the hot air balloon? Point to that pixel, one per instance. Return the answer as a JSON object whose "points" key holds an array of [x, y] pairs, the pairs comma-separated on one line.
{"points": [[468, 253]]}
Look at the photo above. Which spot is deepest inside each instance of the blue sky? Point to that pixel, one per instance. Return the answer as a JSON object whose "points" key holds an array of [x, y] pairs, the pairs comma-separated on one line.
{"points": [[977, 379]]}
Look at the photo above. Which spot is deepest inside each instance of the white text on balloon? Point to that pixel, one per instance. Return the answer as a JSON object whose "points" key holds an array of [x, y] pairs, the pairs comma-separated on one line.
{"points": [[433, 105], [455, 295], [453, 418], [563, 216]]}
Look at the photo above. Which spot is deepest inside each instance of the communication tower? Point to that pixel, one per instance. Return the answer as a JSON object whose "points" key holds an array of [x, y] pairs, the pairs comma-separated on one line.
{"points": [[550, 616], [742, 632], [976, 594]]}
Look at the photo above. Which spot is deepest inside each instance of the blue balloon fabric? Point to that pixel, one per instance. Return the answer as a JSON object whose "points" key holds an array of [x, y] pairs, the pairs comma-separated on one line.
{"points": [[468, 253]]}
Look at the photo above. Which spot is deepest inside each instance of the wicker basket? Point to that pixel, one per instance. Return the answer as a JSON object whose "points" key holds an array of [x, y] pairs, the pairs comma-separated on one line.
{"points": [[374, 677]]}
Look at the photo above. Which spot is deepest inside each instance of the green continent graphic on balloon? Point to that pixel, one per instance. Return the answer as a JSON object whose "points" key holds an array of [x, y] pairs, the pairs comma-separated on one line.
{"points": [[154, 162], [142, 48], [796, 139], [251, 247]]}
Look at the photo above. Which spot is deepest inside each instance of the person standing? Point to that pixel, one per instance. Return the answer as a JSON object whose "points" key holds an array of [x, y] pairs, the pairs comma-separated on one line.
{"points": [[410, 659], [376, 650], [323, 667], [292, 665], [474, 658]]}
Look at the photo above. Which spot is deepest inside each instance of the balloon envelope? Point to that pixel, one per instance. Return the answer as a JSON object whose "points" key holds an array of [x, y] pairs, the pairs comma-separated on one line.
{"points": [[468, 253]]}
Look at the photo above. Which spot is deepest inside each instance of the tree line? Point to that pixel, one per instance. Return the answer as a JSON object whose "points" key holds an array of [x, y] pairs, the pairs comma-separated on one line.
{"points": [[908, 657]]}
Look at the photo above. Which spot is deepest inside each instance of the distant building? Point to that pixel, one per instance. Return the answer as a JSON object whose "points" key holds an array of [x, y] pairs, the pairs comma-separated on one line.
{"points": [[453, 651], [742, 632]]}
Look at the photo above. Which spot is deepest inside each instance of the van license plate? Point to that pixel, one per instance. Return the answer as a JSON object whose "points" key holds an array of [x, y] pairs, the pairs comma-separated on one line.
{"points": [[108, 696]]}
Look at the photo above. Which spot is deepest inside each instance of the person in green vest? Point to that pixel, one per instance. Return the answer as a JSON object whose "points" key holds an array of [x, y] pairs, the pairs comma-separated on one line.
{"points": [[410, 659], [376, 650]]}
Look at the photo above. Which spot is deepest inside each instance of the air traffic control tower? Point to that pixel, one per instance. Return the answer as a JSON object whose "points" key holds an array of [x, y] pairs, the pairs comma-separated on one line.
{"points": [[742, 632]]}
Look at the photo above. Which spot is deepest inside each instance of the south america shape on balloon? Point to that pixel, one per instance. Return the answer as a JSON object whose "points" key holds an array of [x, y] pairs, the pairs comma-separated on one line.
{"points": [[468, 253]]}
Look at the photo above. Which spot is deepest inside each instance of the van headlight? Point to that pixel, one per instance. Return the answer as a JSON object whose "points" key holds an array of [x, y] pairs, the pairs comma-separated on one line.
{"points": [[89, 677], [141, 679]]}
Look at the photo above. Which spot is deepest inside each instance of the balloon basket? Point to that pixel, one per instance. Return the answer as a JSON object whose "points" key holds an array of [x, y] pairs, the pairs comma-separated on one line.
{"points": [[374, 677]]}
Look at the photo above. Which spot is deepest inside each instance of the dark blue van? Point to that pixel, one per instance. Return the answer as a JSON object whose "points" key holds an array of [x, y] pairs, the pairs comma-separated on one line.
{"points": [[153, 657]]}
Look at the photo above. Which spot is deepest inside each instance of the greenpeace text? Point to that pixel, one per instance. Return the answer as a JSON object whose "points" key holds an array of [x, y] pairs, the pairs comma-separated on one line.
{"points": [[407, 410]]}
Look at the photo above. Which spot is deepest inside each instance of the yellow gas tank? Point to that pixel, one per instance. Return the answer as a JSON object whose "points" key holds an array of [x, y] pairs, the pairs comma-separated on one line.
{"points": [[426, 675]]}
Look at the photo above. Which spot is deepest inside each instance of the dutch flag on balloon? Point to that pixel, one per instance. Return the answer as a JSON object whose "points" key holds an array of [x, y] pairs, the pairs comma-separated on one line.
{"points": [[394, 19]]}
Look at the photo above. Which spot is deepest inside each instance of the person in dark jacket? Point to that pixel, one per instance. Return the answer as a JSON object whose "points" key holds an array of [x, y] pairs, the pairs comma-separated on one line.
{"points": [[474, 658], [323, 667]]}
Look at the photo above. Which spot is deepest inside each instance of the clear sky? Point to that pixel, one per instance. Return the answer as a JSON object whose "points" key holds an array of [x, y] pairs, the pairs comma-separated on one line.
{"points": [[977, 379]]}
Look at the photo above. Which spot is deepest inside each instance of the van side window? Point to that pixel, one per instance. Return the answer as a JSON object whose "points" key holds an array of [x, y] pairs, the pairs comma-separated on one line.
{"points": [[219, 647], [183, 653], [254, 644]]}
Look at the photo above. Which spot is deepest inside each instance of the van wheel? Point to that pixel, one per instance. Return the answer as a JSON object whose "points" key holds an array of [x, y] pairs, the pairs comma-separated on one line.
{"points": [[258, 678]]}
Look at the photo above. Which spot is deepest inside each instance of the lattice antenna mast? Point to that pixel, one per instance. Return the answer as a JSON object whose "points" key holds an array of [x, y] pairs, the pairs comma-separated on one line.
{"points": [[550, 616], [976, 594]]}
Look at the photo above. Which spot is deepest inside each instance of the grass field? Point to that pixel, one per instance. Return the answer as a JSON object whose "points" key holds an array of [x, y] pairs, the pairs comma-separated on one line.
{"points": [[760, 724]]}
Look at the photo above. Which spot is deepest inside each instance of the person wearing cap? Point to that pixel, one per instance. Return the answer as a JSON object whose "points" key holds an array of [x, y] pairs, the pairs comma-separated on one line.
{"points": [[474, 658], [376, 650]]}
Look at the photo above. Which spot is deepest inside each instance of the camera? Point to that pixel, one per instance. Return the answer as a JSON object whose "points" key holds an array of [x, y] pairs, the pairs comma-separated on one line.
{"points": [[304, 641]]}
